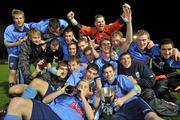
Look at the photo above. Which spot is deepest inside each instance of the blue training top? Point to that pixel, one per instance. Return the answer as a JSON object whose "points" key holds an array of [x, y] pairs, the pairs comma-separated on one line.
{"points": [[12, 34], [121, 85]]}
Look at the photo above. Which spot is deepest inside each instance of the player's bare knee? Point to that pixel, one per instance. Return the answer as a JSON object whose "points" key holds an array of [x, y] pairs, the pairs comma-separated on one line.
{"points": [[11, 90], [17, 89], [36, 83], [16, 102]]}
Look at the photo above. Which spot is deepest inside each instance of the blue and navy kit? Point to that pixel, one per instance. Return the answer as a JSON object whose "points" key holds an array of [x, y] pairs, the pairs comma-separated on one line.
{"points": [[163, 66], [101, 61], [143, 56], [76, 76], [68, 107], [121, 85], [12, 34], [43, 25]]}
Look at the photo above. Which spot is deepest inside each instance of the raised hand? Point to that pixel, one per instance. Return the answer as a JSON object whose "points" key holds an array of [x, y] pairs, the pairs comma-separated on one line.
{"points": [[70, 15], [126, 12]]}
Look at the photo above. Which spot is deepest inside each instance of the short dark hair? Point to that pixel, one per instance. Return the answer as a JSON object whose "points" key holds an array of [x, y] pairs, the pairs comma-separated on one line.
{"points": [[87, 49], [62, 63], [165, 41], [94, 66], [125, 53], [68, 29], [55, 41], [54, 23], [105, 39], [106, 66]]}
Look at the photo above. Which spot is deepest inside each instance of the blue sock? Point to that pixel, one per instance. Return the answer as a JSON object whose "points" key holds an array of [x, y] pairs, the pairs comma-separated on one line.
{"points": [[29, 92], [12, 117]]}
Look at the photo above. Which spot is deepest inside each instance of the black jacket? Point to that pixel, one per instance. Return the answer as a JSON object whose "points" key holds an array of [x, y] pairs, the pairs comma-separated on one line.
{"points": [[29, 54], [141, 72]]}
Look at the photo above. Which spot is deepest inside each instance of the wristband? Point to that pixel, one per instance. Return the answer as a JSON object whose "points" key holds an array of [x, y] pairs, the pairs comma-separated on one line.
{"points": [[124, 19], [74, 22]]}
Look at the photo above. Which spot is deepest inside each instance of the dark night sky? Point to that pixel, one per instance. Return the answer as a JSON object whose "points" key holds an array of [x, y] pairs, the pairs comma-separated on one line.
{"points": [[160, 19]]}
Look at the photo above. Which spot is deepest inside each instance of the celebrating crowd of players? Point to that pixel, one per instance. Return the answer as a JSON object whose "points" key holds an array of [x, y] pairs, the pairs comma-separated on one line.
{"points": [[70, 72]]}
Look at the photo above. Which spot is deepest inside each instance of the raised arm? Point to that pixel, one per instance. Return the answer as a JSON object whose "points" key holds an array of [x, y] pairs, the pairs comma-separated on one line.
{"points": [[127, 12], [74, 22], [87, 107]]}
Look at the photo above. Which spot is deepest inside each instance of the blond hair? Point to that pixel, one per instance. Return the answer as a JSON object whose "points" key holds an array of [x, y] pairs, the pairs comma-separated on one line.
{"points": [[98, 16], [81, 39], [116, 33], [17, 12], [34, 32], [143, 32]]}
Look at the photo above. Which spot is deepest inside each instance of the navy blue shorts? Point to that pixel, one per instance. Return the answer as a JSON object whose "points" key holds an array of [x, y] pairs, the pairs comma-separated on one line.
{"points": [[42, 111], [134, 110], [13, 62], [49, 90]]}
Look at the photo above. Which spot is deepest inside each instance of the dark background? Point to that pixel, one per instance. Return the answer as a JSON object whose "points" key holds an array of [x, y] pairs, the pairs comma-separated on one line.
{"points": [[160, 18]]}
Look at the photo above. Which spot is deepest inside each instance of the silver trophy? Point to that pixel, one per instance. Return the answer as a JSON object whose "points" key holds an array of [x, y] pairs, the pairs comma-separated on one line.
{"points": [[107, 97]]}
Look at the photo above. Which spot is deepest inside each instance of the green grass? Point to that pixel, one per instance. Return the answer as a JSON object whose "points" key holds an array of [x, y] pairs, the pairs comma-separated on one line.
{"points": [[4, 99], [4, 89], [3, 86]]}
